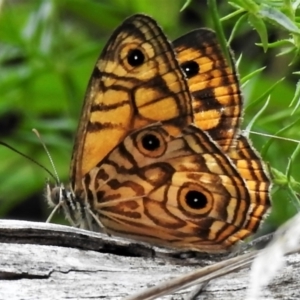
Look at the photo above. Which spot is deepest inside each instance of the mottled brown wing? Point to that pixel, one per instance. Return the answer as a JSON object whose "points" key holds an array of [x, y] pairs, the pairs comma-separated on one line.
{"points": [[180, 192], [251, 167], [217, 100], [217, 105], [137, 81]]}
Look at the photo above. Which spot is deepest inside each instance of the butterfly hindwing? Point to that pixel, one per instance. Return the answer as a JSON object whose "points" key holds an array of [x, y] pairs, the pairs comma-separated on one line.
{"points": [[177, 191]]}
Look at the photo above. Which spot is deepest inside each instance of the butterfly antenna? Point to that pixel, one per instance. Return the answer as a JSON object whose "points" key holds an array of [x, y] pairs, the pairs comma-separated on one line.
{"points": [[29, 158], [55, 176]]}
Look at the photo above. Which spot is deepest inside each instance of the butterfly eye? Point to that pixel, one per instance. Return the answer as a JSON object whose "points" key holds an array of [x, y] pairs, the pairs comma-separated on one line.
{"points": [[190, 68], [54, 196], [151, 143], [135, 57], [194, 198]]}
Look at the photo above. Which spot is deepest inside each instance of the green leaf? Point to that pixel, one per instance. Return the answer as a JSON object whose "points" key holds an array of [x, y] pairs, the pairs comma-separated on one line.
{"points": [[264, 95], [251, 75], [261, 29], [278, 18], [250, 124], [248, 5], [185, 5], [296, 98], [280, 43], [212, 5], [277, 134], [236, 26]]}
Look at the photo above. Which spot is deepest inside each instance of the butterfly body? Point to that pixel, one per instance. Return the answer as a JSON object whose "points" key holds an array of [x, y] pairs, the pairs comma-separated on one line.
{"points": [[151, 174]]}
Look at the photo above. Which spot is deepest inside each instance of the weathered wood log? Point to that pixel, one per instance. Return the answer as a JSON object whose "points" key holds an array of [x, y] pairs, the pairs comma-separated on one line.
{"points": [[48, 261]]}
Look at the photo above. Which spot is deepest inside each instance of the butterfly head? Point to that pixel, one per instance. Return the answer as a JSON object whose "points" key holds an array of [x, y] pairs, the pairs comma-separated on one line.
{"points": [[59, 197]]}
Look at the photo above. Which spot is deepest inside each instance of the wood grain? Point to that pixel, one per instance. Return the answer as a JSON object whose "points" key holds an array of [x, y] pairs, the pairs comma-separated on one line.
{"points": [[48, 261]]}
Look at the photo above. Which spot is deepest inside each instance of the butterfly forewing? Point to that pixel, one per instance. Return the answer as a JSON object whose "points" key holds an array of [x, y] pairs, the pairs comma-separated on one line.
{"points": [[136, 81]]}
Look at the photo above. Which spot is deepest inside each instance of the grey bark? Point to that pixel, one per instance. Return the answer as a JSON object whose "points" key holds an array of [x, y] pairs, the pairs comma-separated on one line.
{"points": [[47, 261]]}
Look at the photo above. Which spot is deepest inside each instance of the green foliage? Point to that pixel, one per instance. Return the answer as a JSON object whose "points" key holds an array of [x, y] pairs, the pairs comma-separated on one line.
{"points": [[49, 48]]}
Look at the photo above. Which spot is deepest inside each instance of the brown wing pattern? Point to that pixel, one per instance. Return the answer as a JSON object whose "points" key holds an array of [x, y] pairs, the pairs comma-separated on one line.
{"points": [[217, 105], [180, 191], [252, 169], [217, 100], [136, 81]]}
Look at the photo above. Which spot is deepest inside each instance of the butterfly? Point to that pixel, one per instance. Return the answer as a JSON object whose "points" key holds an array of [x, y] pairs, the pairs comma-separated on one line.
{"points": [[158, 156]]}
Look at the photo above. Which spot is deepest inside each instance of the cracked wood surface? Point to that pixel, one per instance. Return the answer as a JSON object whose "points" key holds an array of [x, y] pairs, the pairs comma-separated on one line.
{"points": [[48, 261]]}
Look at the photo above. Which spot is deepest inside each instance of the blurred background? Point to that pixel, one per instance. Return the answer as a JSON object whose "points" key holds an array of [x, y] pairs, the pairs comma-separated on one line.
{"points": [[48, 50]]}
